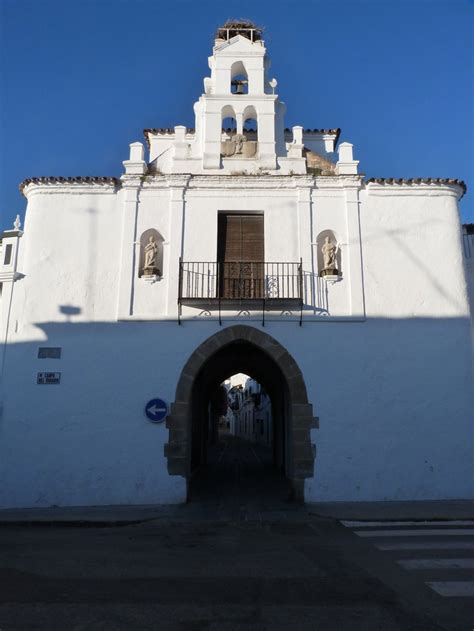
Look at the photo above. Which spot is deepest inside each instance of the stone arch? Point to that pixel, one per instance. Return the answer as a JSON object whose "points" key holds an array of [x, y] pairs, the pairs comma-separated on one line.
{"points": [[300, 417], [228, 120], [250, 120]]}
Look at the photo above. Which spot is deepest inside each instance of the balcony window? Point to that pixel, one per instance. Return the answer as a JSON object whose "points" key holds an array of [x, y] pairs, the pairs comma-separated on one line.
{"points": [[241, 274], [240, 255]]}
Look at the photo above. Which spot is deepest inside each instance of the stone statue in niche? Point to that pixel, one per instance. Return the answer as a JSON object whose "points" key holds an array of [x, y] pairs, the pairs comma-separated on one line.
{"points": [[329, 251], [151, 254]]}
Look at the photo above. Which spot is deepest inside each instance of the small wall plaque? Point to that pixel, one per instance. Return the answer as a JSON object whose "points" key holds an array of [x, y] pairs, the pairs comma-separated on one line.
{"points": [[48, 378], [45, 352]]}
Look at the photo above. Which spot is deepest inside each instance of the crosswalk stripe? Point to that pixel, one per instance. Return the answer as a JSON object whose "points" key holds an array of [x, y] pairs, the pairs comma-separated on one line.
{"points": [[371, 524], [437, 564], [406, 531], [426, 545], [452, 588], [424, 532]]}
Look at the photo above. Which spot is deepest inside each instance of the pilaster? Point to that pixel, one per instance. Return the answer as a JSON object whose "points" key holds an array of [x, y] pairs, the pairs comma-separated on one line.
{"points": [[177, 203], [305, 237], [354, 249], [211, 158], [266, 140], [8, 276], [131, 185]]}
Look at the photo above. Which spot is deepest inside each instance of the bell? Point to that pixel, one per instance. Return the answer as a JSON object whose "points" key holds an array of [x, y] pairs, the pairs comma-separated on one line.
{"points": [[239, 86]]}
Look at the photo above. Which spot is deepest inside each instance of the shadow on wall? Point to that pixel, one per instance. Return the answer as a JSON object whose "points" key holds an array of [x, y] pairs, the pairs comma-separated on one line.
{"points": [[413, 357], [397, 390]]}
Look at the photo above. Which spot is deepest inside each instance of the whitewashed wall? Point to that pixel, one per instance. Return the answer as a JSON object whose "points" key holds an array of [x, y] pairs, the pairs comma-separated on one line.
{"points": [[393, 389]]}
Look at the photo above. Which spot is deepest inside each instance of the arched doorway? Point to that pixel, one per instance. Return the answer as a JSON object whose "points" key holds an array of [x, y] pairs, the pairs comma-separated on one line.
{"points": [[243, 349]]}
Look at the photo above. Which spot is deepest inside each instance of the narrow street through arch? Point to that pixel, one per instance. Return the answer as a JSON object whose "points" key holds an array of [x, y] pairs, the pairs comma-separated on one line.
{"points": [[238, 474], [240, 448], [241, 349]]}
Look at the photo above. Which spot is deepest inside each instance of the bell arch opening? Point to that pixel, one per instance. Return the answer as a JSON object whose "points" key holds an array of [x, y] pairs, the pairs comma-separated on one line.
{"points": [[239, 83], [242, 349], [229, 121]]}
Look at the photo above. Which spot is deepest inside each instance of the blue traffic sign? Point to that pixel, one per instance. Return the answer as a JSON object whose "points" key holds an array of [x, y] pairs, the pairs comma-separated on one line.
{"points": [[156, 410]]}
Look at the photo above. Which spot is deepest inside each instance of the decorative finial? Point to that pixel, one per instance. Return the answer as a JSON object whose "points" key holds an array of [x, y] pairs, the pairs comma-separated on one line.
{"points": [[17, 223]]}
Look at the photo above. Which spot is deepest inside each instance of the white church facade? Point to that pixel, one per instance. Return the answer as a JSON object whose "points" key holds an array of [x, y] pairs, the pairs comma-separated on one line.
{"points": [[236, 246]]}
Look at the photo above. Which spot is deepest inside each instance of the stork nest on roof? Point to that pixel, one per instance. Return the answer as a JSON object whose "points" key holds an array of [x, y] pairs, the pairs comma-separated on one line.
{"points": [[240, 26]]}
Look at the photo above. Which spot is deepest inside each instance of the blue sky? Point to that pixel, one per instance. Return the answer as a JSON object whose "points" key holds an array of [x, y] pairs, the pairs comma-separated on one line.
{"points": [[81, 79]]}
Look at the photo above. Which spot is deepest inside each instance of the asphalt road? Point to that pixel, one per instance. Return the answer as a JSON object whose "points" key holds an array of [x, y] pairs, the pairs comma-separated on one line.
{"points": [[237, 560], [299, 573]]}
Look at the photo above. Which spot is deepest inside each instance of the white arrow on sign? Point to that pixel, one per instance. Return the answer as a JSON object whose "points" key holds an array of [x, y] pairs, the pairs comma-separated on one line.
{"points": [[155, 410]]}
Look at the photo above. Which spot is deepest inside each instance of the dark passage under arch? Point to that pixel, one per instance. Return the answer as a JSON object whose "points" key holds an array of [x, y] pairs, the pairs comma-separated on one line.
{"points": [[248, 350]]}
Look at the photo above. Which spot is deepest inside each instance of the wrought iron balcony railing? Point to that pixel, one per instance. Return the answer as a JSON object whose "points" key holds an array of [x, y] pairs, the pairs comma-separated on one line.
{"points": [[240, 281]]}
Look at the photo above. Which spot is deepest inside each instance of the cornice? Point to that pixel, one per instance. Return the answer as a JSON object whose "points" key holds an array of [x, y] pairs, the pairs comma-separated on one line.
{"points": [[328, 182], [178, 180], [165, 132], [10, 277], [247, 99], [415, 185], [52, 184], [99, 184], [317, 134], [131, 181], [251, 182]]}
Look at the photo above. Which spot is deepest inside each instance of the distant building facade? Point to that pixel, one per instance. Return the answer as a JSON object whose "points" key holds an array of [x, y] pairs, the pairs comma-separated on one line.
{"points": [[252, 411], [236, 246]]}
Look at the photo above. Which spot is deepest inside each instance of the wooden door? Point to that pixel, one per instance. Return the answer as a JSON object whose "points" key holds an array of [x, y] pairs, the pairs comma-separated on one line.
{"points": [[240, 255]]}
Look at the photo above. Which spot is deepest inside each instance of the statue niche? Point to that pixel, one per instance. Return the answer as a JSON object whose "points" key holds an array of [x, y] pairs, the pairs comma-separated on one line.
{"points": [[329, 254], [151, 254]]}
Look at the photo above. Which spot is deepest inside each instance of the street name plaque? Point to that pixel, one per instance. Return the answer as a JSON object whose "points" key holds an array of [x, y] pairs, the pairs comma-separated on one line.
{"points": [[48, 378]]}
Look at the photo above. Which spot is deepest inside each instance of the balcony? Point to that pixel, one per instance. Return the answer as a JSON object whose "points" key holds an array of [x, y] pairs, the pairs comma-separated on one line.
{"points": [[259, 284]]}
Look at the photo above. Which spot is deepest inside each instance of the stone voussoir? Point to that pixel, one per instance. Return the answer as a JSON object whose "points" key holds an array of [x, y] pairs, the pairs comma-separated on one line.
{"points": [[184, 388], [177, 421], [176, 449], [299, 434], [231, 333], [193, 365], [290, 368], [247, 333], [297, 389], [303, 468], [302, 451], [302, 409], [303, 422], [208, 347], [177, 434], [178, 408], [177, 466]]}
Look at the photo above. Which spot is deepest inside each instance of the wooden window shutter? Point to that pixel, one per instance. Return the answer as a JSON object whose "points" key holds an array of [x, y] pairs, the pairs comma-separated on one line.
{"points": [[240, 250], [252, 238], [240, 238]]}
